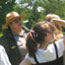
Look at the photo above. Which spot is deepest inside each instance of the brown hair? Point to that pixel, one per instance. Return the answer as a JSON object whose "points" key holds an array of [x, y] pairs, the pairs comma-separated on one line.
{"points": [[38, 35], [49, 18]]}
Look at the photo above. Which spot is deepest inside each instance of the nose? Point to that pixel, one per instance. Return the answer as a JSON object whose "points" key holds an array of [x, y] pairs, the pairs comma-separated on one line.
{"points": [[20, 23]]}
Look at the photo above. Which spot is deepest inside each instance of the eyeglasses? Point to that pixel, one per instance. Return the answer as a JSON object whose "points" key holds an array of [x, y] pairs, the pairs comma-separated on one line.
{"points": [[17, 20]]}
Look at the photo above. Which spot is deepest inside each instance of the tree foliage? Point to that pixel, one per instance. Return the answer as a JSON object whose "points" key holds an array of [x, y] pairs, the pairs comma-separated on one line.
{"points": [[5, 7], [49, 6], [30, 8]]}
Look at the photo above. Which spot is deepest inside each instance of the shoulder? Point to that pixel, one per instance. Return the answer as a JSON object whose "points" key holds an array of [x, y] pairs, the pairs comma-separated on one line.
{"points": [[31, 59], [59, 45], [2, 48], [4, 42], [3, 39]]}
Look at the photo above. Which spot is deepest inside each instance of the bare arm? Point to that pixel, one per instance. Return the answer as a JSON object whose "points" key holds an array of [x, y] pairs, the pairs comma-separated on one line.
{"points": [[59, 22], [63, 39], [25, 62]]}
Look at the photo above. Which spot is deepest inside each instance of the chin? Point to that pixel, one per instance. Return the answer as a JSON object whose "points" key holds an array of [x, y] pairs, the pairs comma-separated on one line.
{"points": [[19, 30]]}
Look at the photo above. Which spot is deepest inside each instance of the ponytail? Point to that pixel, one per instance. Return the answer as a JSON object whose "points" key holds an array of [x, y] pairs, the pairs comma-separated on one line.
{"points": [[31, 43], [37, 36]]}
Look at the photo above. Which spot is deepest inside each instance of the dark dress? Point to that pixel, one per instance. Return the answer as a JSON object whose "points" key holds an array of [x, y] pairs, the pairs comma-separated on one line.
{"points": [[58, 61]]}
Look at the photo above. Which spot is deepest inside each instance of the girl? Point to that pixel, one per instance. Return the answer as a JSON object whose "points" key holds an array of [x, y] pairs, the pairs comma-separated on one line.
{"points": [[56, 20], [46, 54]]}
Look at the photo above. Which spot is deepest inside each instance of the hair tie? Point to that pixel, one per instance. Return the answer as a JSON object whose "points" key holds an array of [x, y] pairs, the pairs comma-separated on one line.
{"points": [[34, 34]]}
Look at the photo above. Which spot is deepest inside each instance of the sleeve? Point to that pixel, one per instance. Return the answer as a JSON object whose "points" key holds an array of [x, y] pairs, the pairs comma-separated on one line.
{"points": [[31, 59], [3, 57], [60, 47]]}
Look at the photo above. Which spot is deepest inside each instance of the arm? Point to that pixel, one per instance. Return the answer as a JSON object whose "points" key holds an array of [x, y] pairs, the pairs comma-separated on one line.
{"points": [[25, 62], [59, 22], [3, 57], [63, 39]]}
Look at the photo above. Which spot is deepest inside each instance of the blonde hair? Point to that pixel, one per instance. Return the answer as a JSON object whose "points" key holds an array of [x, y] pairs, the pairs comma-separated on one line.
{"points": [[58, 33]]}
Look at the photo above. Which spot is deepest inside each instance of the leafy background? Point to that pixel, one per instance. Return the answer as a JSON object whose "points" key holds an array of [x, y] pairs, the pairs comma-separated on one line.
{"points": [[35, 10]]}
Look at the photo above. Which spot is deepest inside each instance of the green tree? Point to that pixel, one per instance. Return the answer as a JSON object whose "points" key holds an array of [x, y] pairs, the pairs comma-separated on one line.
{"points": [[54, 6], [49, 6], [31, 11], [31, 14], [5, 7]]}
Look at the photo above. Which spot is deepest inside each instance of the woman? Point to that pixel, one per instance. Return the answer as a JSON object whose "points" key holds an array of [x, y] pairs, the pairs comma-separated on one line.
{"points": [[47, 53]]}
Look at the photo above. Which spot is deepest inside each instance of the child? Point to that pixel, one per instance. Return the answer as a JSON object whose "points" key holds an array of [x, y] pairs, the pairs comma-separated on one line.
{"points": [[47, 53], [56, 20]]}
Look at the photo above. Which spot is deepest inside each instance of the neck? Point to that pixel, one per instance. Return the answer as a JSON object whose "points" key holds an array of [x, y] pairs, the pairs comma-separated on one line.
{"points": [[44, 45], [17, 32]]}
